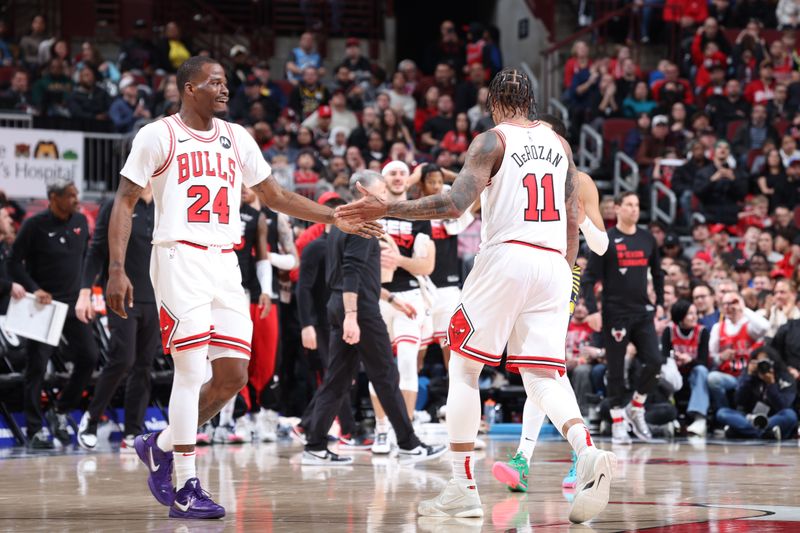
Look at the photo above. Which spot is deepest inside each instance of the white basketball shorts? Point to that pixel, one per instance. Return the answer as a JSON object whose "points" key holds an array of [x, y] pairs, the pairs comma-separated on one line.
{"points": [[447, 300], [201, 299], [401, 328], [516, 295]]}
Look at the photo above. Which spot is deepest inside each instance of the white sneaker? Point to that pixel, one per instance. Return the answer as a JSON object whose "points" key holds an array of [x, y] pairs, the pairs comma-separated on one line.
{"points": [[455, 500], [324, 458], [480, 444], [698, 427], [86, 439], [635, 417], [423, 452], [382, 445], [126, 444], [243, 429], [423, 417], [619, 433], [225, 435], [596, 469], [267, 423]]}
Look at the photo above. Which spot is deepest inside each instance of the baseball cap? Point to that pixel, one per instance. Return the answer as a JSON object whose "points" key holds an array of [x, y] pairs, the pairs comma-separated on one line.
{"points": [[672, 240], [704, 256], [238, 49], [329, 196], [251, 81], [741, 265], [352, 41], [718, 228], [660, 120], [324, 111]]}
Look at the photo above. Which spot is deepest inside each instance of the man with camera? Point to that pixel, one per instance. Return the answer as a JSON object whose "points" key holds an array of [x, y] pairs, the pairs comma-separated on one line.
{"points": [[764, 398]]}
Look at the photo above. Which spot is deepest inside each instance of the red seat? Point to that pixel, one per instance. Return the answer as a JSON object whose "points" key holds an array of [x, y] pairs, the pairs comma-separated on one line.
{"points": [[781, 126], [615, 130], [6, 73], [286, 87], [751, 157]]}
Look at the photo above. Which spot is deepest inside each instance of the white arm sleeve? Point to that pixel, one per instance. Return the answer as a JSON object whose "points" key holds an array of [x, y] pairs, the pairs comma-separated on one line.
{"points": [[596, 238], [282, 261], [264, 275], [454, 227]]}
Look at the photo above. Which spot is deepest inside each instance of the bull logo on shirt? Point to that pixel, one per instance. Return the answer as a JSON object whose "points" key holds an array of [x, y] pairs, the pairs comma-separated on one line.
{"points": [[618, 334]]}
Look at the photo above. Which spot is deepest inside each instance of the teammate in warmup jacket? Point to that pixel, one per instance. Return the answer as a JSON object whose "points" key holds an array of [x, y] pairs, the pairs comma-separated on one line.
{"points": [[518, 293], [627, 313], [358, 334], [134, 342], [47, 259], [197, 165]]}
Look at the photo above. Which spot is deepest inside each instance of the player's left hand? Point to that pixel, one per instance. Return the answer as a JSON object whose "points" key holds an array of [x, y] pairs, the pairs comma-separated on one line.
{"points": [[362, 229], [370, 207], [264, 305], [351, 333]]}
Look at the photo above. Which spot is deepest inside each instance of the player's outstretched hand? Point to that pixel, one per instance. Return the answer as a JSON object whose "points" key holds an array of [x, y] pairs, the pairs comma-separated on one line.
{"points": [[370, 207], [119, 291], [362, 229]]}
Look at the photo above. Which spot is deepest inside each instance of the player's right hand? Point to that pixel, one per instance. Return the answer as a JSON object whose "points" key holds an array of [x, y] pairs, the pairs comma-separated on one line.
{"points": [[351, 333], [43, 297], [119, 291], [308, 337]]}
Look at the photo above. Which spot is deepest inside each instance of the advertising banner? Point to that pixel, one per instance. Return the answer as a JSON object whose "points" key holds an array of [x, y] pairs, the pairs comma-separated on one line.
{"points": [[30, 158]]}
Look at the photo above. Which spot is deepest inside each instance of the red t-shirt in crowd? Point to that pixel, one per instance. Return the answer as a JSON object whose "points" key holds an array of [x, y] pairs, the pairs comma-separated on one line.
{"points": [[756, 92]]}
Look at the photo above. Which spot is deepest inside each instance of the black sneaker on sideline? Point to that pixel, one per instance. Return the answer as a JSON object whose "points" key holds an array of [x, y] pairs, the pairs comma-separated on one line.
{"points": [[59, 426], [423, 452], [39, 441]]}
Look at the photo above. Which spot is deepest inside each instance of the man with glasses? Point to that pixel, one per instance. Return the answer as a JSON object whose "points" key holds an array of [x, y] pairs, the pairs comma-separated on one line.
{"points": [[703, 300], [733, 338]]}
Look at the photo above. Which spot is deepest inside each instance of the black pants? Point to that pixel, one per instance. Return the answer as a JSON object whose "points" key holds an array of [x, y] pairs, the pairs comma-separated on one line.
{"points": [[84, 353], [345, 411], [133, 346], [617, 333], [375, 351]]}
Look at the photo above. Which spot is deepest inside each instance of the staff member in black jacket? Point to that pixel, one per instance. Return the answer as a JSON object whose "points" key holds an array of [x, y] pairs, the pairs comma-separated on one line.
{"points": [[627, 313], [8, 288], [133, 341], [47, 259], [358, 333]]}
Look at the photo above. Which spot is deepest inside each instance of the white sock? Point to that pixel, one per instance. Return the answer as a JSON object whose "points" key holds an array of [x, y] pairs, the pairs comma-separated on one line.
{"points": [[382, 425], [532, 420], [184, 463], [617, 415], [545, 389], [164, 440], [190, 373], [226, 414], [463, 467], [579, 438]]}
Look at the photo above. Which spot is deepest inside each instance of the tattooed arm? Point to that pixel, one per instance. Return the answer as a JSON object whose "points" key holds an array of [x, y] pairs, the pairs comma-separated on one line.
{"points": [[279, 199], [483, 160], [119, 291], [571, 193], [286, 237]]}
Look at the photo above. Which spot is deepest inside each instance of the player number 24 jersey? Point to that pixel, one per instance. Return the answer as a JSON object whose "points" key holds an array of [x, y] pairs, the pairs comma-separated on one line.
{"points": [[197, 178]]}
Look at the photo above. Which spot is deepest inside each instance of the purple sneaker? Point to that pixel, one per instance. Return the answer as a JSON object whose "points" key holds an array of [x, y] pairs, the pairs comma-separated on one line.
{"points": [[193, 502], [159, 464]]}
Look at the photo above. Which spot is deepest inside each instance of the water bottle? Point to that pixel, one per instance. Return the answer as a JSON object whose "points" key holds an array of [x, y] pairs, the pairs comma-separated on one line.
{"points": [[498, 414], [489, 412]]}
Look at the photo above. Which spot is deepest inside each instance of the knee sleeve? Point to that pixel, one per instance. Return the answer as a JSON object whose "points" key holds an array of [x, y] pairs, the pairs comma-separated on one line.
{"points": [[407, 366], [553, 394], [463, 400], [190, 373], [532, 420]]}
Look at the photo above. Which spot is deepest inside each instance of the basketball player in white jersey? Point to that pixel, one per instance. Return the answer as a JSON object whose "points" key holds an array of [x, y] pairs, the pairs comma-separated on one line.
{"points": [[518, 291], [514, 473], [196, 164]]}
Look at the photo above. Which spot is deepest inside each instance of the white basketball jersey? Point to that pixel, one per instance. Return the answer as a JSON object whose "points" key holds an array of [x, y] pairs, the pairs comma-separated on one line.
{"points": [[197, 178], [524, 200]]}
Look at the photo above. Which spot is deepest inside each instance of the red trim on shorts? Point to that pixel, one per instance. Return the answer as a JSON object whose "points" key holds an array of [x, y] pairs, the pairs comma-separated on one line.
{"points": [[160, 170], [516, 366], [192, 337], [234, 347], [235, 148], [195, 136], [203, 247], [534, 246], [232, 340], [195, 341], [475, 358], [405, 338]]}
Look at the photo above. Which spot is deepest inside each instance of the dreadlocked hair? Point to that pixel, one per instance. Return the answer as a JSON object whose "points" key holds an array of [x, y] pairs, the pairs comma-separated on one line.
{"points": [[511, 90]]}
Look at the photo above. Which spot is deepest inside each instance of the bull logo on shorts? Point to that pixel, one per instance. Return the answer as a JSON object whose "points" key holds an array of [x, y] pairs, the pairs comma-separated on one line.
{"points": [[460, 328], [618, 334]]}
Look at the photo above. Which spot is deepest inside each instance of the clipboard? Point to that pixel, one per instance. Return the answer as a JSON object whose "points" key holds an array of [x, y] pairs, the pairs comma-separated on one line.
{"points": [[42, 323]]}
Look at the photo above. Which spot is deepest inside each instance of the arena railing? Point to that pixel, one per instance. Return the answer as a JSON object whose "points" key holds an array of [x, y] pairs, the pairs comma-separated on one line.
{"points": [[656, 213], [590, 149], [555, 107], [16, 120], [625, 181], [104, 156]]}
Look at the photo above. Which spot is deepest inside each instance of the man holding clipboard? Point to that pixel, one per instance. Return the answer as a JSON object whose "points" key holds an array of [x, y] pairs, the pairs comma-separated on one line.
{"points": [[47, 259]]}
